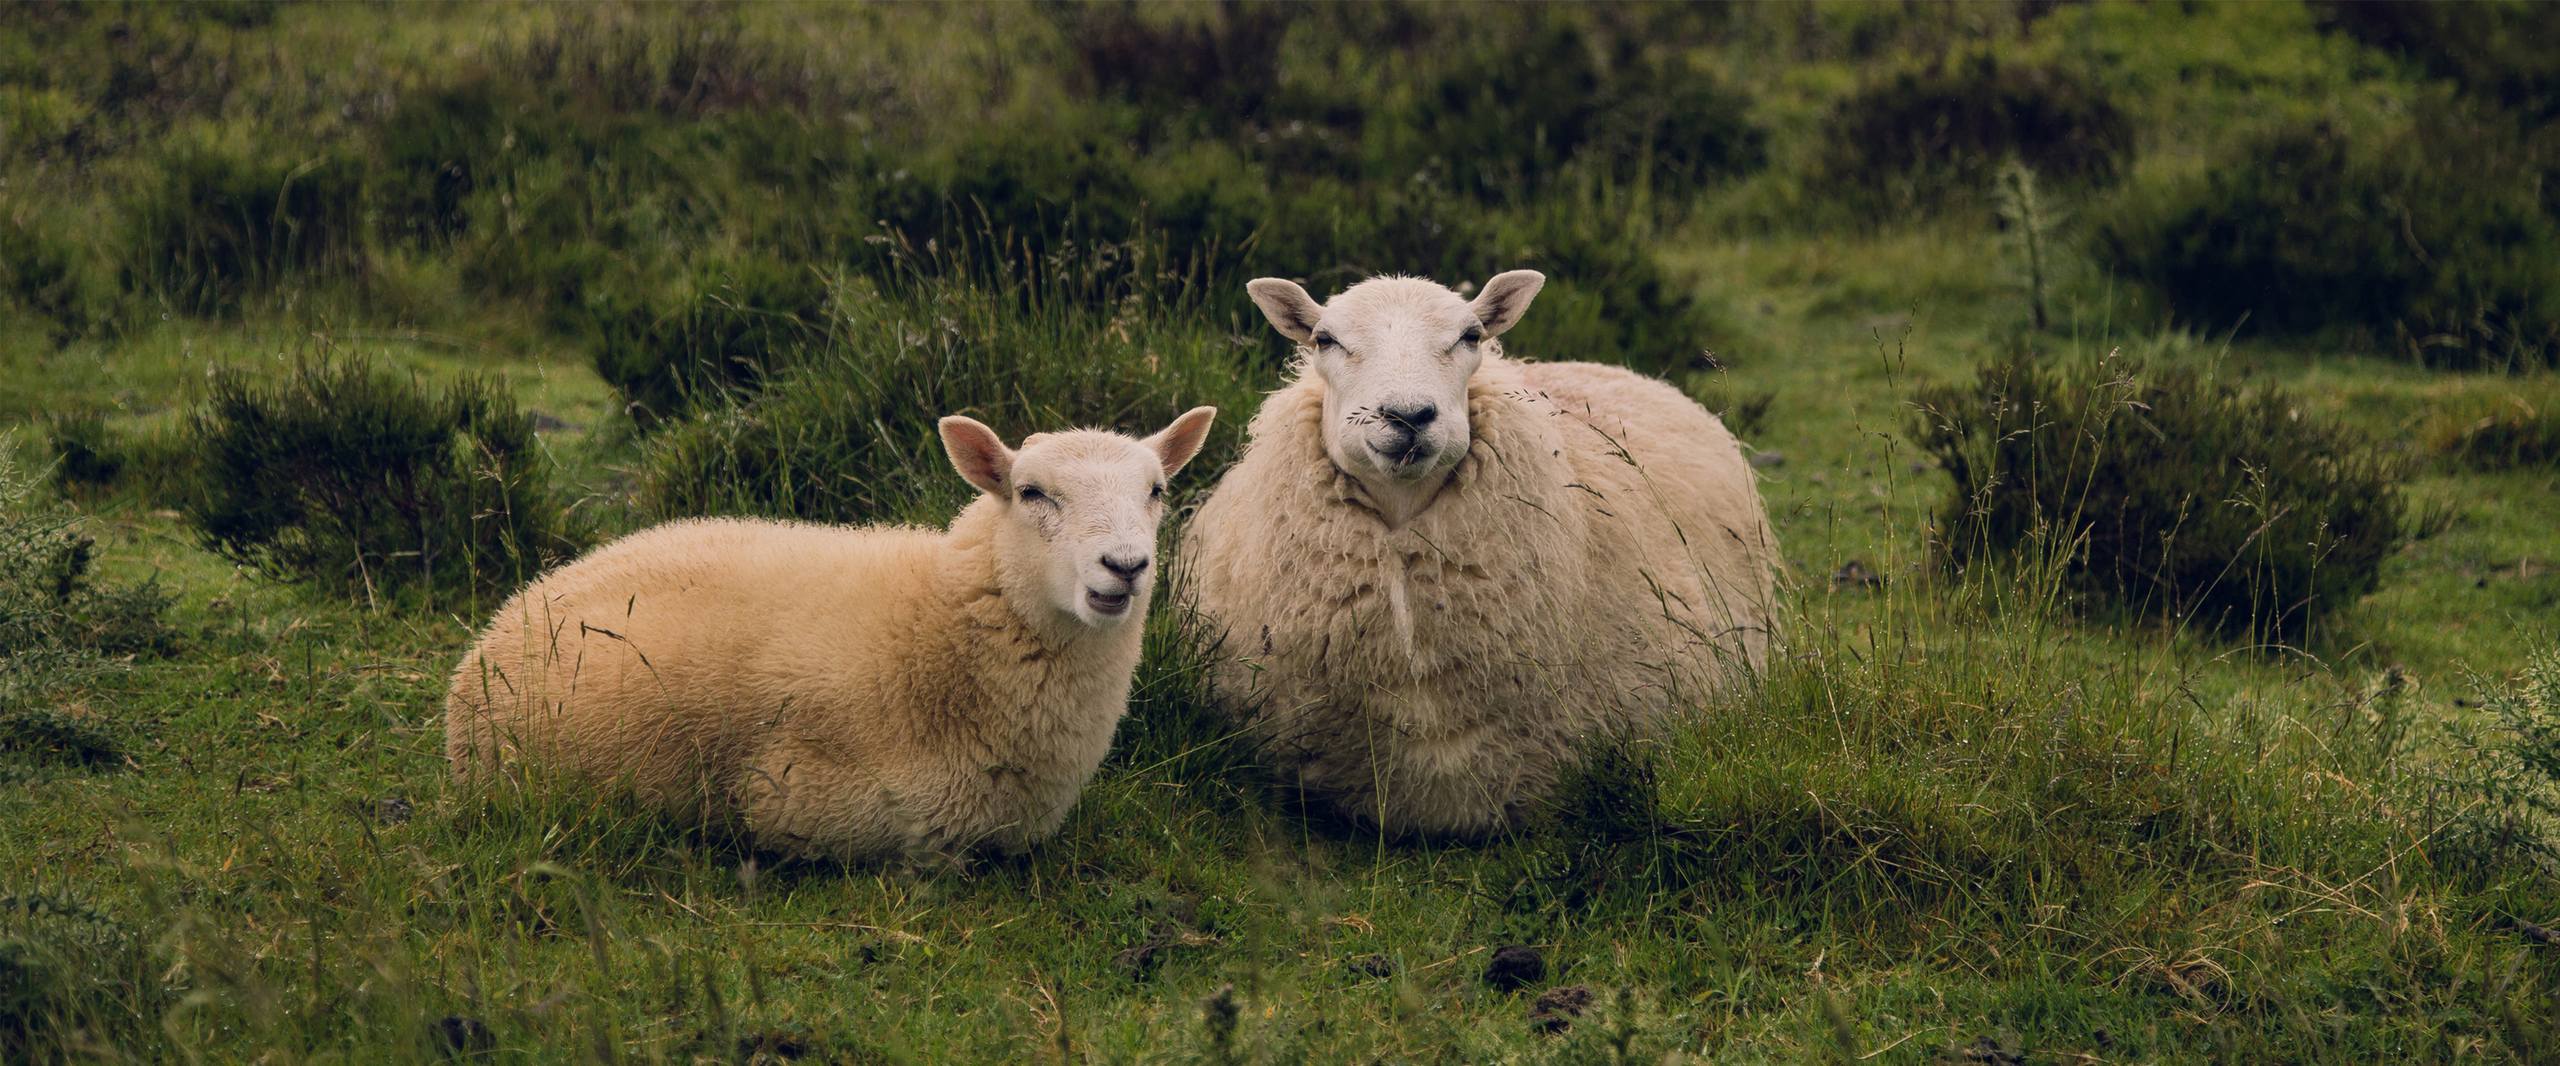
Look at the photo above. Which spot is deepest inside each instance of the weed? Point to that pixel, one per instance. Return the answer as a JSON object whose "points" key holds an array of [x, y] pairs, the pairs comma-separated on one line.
{"points": [[2163, 491], [351, 478]]}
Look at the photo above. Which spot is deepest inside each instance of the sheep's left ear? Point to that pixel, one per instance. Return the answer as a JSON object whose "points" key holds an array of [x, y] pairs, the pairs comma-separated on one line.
{"points": [[1506, 298], [977, 453], [1181, 440]]}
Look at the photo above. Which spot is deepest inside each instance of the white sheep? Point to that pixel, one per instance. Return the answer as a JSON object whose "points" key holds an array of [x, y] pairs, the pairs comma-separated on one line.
{"points": [[906, 694], [1439, 572]]}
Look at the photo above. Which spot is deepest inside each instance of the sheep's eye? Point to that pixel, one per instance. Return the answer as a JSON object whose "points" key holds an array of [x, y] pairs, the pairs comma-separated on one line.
{"points": [[1033, 495], [1325, 340], [1156, 493], [1471, 336]]}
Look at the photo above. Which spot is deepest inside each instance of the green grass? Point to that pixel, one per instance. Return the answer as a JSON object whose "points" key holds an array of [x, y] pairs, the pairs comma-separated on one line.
{"points": [[1952, 819]]}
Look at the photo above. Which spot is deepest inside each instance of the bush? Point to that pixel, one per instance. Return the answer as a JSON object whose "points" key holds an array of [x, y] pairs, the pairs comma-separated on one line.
{"points": [[849, 436], [2163, 492], [45, 273], [739, 319], [2501, 792], [2437, 237], [216, 225], [60, 628], [353, 479], [1929, 134], [72, 980], [2503, 52], [2514, 431]]}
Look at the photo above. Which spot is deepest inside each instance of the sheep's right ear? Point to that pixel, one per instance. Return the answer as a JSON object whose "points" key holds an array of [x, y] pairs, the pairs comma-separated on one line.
{"points": [[1506, 298], [1181, 440], [1290, 309], [977, 453]]}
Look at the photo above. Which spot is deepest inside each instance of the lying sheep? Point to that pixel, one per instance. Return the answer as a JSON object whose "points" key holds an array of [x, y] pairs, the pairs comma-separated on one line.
{"points": [[850, 693], [1439, 571]]}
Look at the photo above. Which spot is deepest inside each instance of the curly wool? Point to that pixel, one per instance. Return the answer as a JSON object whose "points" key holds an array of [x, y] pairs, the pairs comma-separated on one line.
{"points": [[1600, 556], [847, 693]]}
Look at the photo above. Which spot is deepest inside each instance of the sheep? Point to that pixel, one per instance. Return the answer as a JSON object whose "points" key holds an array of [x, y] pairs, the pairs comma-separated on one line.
{"points": [[1438, 572], [906, 695]]}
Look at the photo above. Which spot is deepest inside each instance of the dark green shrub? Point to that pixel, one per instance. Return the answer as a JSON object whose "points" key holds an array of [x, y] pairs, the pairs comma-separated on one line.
{"points": [[434, 149], [217, 225], [1514, 115], [1214, 65], [60, 628], [2437, 237], [2513, 432], [1924, 135], [2162, 492], [2500, 793], [849, 434], [2503, 52], [73, 981], [739, 319], [360, 481], [84, 453], [45, 273]]}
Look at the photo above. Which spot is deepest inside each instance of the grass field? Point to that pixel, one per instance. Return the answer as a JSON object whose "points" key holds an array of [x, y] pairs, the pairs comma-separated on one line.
{"points": [[736, 259]]}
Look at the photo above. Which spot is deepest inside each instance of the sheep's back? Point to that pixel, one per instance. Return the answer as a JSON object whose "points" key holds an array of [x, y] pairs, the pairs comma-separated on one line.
{"points": [[1684, 512], [669, 657]]}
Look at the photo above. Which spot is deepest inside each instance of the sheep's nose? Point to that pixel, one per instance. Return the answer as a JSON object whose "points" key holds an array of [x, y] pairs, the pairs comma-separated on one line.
{"points": [[1128, 567], [1412, 416]]}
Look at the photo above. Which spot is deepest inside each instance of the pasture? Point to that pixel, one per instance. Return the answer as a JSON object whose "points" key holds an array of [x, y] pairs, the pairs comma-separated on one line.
{"points": [[2155, 404]]}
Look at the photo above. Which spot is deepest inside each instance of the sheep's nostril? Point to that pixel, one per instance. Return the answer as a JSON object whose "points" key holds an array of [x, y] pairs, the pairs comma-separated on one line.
{"points": [[1412, 416], [1128, 567]]}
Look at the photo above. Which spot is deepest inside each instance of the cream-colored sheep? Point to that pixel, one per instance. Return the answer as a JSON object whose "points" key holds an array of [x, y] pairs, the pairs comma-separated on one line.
{"points": [[1439, 570], [852, 693]]}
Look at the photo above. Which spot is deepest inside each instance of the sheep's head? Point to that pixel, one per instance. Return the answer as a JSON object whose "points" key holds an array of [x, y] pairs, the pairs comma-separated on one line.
{"points": [[1077, 511], [1395, 355]]}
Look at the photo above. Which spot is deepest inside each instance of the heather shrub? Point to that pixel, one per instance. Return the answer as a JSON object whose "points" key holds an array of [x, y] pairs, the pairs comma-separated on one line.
{"points": [[2162, 492], [348, 477], [2502, 52], [43, 271], [734, 320], [2499, 793], [2518, 429], [848, 434], [216, 225], [1929, 134], [2437, 238], [60, 627]]}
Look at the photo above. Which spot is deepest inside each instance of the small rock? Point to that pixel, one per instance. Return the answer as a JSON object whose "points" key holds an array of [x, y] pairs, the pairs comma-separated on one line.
{"points": [[1372, 966], [1557, 1007], [1515, 967], [543, 423], [1767, 459], [462, 1036], [393, 810], [1855, 575]]}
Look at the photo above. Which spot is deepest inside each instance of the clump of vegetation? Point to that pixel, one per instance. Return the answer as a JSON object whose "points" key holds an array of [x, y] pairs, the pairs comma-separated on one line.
{"points": [[348, 477], [2500, 51], [2502, 790], [849, 434], [70, 975], [1927, 134], [2435, 238], [220, 224], [42, 271], [2162, 491], [61, 628], [737, 320], [2515, 430]]}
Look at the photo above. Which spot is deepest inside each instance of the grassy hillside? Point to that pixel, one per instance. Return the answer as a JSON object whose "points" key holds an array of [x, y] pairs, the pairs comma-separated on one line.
{"points": [[2156, 403]]}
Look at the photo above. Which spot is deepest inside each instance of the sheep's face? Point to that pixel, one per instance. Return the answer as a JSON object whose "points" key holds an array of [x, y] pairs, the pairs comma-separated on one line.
{"points": [[1395, 355], [1079, 510]]}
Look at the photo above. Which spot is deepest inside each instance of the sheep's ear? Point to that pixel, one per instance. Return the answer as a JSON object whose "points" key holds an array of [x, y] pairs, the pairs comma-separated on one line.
{"points": [[977, 453], [1290, 309], [1506, 298], [1181, 440]]}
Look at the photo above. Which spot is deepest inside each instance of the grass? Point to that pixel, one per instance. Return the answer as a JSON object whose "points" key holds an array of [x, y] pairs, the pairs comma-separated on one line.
{"points": [[1953, 820]]}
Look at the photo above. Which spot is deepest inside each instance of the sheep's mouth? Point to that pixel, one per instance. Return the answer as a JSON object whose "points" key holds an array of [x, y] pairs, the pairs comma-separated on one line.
{"points": [[1107, 604]]}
